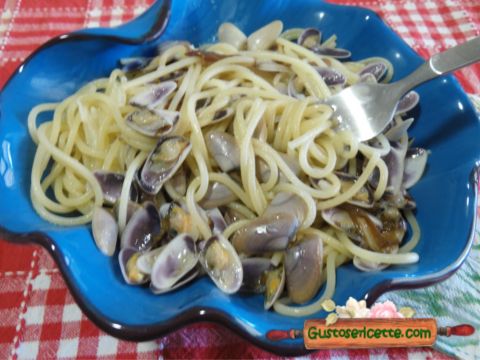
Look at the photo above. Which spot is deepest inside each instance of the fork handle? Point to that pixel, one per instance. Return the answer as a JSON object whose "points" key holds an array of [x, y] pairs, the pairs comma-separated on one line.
{"points": [[442, 63]]}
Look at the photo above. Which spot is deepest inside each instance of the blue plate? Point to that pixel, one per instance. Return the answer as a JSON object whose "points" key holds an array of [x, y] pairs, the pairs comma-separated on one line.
{"points": [[446, 195]]}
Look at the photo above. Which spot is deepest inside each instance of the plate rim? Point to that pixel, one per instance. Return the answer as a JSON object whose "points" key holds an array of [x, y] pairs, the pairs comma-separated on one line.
{"points": [[199, 313]]}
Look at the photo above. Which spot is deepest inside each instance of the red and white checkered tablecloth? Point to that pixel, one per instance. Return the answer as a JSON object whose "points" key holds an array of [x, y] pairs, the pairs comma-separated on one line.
{"points": [[38, 316]]}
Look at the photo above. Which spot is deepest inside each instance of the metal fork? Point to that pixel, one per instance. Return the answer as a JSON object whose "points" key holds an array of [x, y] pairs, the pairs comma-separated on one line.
{"points": [[366, 109]]}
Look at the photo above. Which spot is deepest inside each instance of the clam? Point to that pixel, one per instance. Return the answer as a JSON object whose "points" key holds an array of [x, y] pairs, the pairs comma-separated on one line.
{"points": [[380, 232], [132, 207], [105, 230], [230, 34], [264, 38], [309, 38], [162, 163], [274, 286], [363, 197], [254, 273], [152, 123], [395, 161], [342, 219], [157, 199], [146, 260], [331, 76], [175, 219], [111, 184], [303, 268], [397, 129], [292, 34], [407, 102], [222, 264], [142, 228], [400, 200], [224, 149], [415, 162], [127, 259], [164, 46], [266, 234], [285, 202], [333, 52], [179, 181], [216, 221], [154, 95], [217, 195], [134, 63], [377, 69], [175, 261], [185, 279]]}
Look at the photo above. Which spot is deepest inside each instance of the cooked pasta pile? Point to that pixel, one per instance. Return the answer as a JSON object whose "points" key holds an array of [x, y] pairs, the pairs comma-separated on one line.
{"points": [[232, 125]]}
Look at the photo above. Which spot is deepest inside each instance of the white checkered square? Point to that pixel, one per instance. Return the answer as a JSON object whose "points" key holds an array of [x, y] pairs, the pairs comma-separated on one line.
{"points": [[146, 346], [28, 350], [138, 10], [107, 345], [458, 14], [71, 313], [92, 24], [34, 315], [67, 348], [41, 282]]}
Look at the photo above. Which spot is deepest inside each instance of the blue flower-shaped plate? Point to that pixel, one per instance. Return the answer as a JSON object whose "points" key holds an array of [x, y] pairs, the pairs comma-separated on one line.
{"points": [[446, 124]]}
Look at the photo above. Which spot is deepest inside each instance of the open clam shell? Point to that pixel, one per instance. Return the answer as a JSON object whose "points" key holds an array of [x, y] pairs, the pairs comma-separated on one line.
{"points": [[415, 163], [162, 162], [265, 37], [254, 272], [309, 37], [274, 286], [105, 231], [176, 260], [224, 149], [285, 202], [331, 76], [341, 219], [265, 234], [377, 69], [134, 63], [407, 102], [303, 268], [363, 197], [221, 262], [154, 95], [217, 195], [395, 161], [152, 123], [216, 221], [146, 260], [127, 259], [142, 228], [189, 276], [111, 184], [230, 34]]}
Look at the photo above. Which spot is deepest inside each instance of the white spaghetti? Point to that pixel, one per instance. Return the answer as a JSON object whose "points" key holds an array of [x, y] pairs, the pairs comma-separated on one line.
{"points": [[226, 156]]}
